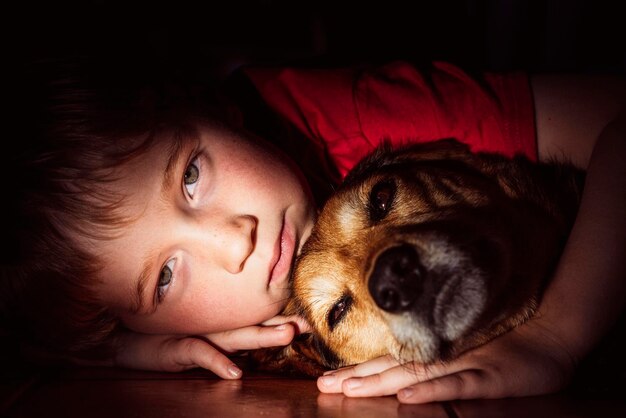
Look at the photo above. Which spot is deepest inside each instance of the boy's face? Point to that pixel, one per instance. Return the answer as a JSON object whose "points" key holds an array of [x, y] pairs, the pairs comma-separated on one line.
{"points": [[213, 237]]}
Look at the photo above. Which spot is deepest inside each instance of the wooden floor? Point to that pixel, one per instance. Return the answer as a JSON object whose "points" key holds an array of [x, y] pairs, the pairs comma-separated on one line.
{"points": [[94, 392]]}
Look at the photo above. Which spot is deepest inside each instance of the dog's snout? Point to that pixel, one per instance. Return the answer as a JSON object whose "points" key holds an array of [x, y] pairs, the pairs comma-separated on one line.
{"points": [[395, 281]]}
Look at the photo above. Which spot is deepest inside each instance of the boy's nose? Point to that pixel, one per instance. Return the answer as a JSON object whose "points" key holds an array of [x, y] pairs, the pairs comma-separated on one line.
{"points": [[239, 242]]}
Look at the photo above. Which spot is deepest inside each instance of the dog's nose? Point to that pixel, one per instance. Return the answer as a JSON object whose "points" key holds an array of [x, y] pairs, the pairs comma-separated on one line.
{"points": [[395, 281]]}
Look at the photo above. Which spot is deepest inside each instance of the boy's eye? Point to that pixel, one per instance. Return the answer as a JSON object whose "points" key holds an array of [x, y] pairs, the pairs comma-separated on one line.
{"points": [[192, 174], [165, 279]]}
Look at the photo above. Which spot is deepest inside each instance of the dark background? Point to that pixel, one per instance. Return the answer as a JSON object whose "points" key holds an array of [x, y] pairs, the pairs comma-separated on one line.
{"points": [[209, 39], [205, 41]]}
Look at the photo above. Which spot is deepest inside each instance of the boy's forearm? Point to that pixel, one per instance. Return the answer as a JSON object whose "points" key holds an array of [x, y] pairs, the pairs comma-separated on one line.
{"points": [[588, 289]]}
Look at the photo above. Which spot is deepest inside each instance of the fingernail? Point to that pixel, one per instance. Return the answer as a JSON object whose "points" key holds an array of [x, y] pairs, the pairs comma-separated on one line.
{"points": [[354, 383], [280, 327], [406, 393], [234, 371], [328, 380]]}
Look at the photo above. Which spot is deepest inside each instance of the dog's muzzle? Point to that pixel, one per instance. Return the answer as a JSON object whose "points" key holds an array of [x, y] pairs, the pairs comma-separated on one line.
{"points": [[395, 282]]}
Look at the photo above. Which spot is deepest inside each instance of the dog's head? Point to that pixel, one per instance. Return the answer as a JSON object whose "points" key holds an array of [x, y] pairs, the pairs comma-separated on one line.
{"points": [[428, 251]]}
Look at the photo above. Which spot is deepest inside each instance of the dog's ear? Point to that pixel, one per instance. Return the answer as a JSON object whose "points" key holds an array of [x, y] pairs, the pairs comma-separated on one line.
{"points": [[301, 358]]}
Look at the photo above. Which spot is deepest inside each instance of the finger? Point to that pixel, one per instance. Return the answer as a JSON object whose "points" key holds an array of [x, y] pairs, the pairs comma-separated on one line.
{"points": [[376, 365], [363, 379], [195, 352], [254, 337], [331, 381], [465, 385], [301, 324], [376, 384], [388, 382]]}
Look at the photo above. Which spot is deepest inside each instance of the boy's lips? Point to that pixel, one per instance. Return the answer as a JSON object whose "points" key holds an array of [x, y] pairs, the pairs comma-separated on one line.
{"points": [[283, 254]]}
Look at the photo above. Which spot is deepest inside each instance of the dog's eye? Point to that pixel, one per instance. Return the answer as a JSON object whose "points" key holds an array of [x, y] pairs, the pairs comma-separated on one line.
{"points": [[381, 199], [338, 311]]}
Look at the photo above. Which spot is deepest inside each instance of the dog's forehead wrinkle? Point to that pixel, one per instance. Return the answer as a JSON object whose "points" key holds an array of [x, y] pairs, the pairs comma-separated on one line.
{"points": [[450, 191], [422, 198], [437, 189]]}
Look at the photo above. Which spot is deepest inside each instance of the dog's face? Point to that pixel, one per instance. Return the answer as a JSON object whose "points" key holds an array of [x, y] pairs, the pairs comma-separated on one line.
{"points": [[424, 253]]}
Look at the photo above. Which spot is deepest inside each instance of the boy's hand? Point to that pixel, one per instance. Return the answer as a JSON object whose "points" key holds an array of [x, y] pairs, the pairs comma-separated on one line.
{"points": [[528, 360], [177, 353]]}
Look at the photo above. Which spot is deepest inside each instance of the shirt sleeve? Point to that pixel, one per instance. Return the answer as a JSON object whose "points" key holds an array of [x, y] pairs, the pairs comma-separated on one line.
{"points": [[349, 111]]}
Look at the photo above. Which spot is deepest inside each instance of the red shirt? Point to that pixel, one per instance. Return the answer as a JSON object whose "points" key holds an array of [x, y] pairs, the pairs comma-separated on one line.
{"points": [[349, 111]]}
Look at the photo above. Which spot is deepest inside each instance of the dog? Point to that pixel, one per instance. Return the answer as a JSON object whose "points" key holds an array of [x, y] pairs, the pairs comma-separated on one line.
{"points": [[425, 252]]}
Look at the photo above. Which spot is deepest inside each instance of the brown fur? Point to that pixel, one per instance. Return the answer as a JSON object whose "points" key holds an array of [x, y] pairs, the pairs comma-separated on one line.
{"points": [[456, 246]]}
